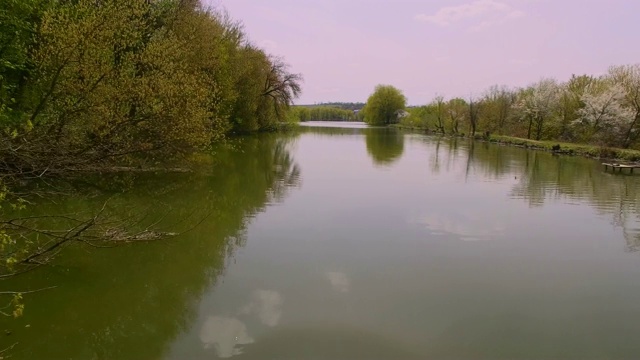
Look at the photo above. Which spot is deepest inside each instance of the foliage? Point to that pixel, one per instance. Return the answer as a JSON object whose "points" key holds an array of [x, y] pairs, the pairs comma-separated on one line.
{"points": [[86, 84], [384, 106], [323, 113], [456, 111], [537, 104], [604, 115], [342, 105], [419, 117], [569, 148], [89, 86], [602, 111]]}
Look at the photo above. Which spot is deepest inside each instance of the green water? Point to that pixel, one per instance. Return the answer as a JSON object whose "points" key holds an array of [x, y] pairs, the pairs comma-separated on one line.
{"points": [[351, 243]]}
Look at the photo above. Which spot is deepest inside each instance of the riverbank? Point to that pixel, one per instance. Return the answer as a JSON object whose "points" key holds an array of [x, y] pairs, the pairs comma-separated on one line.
{"points": [[592, 151], [586, 150]]}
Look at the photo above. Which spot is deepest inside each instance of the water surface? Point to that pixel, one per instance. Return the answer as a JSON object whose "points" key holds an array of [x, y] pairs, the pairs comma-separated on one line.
{"points": [[347, 242]]}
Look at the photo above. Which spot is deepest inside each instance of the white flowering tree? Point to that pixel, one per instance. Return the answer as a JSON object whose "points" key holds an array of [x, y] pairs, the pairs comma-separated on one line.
{"points": [[628, 77], [605, 115], [538, 104]]}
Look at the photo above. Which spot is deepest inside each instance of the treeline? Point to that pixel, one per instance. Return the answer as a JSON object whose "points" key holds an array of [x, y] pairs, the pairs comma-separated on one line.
{"points": [[599, 110], [323, 113], [90, 83], [344, 105]]}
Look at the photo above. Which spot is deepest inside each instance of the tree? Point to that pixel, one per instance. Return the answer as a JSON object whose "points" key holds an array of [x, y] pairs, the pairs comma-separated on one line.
{"points": [[570, 102], [439, 106], [497, 108], [266, 90], [474, 115], [19, 20], [456, 110], [419, 117], [605, 115], [537, 105], [384, 105], [629, 78]]}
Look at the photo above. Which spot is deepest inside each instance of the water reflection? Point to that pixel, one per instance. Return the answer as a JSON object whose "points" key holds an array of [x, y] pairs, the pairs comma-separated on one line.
{"points": [[465, 225], [325, 130], [539, 178], [130, 302], [339, 281], [267, 305], [385, 146], [228, 334], [360, 263], [225, 334]]}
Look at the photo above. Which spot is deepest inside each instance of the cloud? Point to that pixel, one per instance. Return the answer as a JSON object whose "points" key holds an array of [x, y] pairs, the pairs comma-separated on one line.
{"points": [[225, 334], [490, 12], [339, 281], [267, 305], [464, 225]]}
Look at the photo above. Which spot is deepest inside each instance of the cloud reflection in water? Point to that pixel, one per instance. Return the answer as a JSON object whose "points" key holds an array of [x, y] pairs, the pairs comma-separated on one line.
{"points": [[227, 334]]}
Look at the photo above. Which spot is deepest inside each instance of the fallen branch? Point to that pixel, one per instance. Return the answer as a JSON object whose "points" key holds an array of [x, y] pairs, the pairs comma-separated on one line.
{"points": [[26, 292], [9, 348]]}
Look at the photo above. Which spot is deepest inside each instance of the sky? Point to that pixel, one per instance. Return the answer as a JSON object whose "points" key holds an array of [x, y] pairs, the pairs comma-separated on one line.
{"points": [[426, 48]]}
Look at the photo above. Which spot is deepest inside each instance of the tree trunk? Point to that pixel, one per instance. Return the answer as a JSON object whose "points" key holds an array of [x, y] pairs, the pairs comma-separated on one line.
{"points": [[539, 124], [627, 138]]}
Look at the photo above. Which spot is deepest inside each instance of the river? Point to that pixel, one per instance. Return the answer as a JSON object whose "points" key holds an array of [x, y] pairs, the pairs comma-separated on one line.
{"points": [[347, 242]]}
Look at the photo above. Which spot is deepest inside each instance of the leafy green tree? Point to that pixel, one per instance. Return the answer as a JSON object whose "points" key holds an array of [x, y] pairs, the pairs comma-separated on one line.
{"points": [[439, 109], [497, 108], [456, 112], [473, 116], [419, 117], [384, 105], [266, 90]]}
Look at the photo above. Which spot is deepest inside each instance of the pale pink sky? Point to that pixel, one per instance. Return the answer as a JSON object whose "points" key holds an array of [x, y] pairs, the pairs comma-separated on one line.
{"points": [[344, 48]]}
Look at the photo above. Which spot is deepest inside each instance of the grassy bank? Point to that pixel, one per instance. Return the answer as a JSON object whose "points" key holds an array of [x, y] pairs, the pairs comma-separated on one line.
{"points": [[592, 151], [568, 148]]}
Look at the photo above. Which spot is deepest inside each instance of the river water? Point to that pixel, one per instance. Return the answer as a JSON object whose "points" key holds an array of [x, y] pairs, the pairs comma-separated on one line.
{"points": [[347, 242]]}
